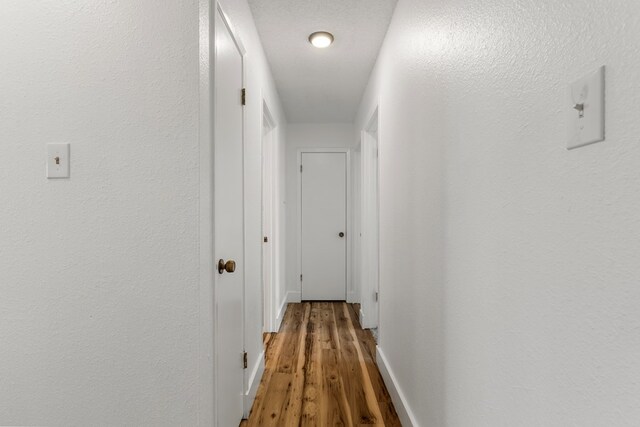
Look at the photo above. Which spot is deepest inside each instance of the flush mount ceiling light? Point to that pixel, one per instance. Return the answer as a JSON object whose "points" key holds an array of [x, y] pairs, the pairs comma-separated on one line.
{"points": [[321, 39]]}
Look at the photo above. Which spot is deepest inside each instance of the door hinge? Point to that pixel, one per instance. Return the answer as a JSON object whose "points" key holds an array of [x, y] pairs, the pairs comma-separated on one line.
{"points": [[300, 168], [265, 239], [244, 96], [376, 296], [301, 277], [245, 361]]}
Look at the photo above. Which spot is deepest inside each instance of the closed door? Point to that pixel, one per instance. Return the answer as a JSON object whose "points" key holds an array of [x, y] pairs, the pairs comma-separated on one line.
{"points": [[228, 210], [324, 223]]}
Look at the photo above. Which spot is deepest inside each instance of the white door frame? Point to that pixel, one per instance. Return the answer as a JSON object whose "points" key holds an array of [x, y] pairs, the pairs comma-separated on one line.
{"points": [[356, 203], [368, 225], [269, 288], [347, 151]]}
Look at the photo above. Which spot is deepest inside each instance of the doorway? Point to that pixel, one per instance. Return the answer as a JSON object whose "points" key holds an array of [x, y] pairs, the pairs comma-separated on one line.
{"points": [[269, 294], [369, 246], [323, 220], [228, 184]]}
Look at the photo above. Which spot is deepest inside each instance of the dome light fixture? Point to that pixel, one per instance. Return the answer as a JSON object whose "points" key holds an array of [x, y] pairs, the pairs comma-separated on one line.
{"points": [[321, 39]]}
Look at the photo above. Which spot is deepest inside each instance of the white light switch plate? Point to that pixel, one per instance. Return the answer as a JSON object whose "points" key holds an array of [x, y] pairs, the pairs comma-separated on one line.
{"points": [[57, 160], [586, 126]]}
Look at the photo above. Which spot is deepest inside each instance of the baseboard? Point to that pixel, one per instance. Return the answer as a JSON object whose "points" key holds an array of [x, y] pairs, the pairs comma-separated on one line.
{"points": [[254, 383], [399, 401], [280, 315], [361, 319]]}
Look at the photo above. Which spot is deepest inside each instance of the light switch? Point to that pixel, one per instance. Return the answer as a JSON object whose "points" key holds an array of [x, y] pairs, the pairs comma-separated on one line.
{"points": [[585, 110], [57, 160]]}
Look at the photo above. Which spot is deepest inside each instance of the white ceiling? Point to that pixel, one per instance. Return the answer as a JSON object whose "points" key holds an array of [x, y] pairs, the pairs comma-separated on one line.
{"points": [[321, 85]]}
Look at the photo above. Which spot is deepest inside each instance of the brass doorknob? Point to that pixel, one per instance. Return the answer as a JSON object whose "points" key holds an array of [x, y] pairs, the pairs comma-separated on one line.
{"points": [[341, 234], [229, 266]]}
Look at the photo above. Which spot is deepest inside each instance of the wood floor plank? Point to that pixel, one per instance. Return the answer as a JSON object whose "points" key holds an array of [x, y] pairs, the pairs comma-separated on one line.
{"points": [[263, 403], [320, 371], [333, 403], [294, 407], [289, 354], [351, 372], [311, 414], [369, 392]]}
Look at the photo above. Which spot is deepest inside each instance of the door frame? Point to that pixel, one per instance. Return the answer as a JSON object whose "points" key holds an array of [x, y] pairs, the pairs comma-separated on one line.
{"points": [[356, 242], [372, 125], [269, 297], [347, 151]]}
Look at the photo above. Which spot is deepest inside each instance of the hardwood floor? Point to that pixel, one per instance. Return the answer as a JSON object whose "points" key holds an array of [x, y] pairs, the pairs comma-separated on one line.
{"points": [[321, 371]]}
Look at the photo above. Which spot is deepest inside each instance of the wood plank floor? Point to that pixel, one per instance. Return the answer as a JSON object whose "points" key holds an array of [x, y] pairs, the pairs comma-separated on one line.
{"points": [[321, 371]]}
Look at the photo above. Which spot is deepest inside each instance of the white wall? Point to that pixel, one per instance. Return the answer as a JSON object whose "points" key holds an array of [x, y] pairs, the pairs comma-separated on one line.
{"points": [[517, 303], [260, 87], [101, 283], [306, 135], [99, 273]]}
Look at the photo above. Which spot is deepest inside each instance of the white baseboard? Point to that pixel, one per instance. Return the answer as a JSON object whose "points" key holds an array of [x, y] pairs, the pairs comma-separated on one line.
{"points": [[399, 401], [361, 319], [280, 315], [254, 383]]}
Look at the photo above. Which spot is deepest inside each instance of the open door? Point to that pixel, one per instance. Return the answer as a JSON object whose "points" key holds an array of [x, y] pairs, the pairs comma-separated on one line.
{"points": [[228, 224], [268, 208], [369, 225]]}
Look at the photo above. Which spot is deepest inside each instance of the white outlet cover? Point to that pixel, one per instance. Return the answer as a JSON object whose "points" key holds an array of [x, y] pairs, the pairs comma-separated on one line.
{"points": [[57, 160], [588, 92]]}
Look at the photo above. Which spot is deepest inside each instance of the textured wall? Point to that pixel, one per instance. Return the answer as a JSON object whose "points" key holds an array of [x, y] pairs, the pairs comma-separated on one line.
{"points": [[99, 273], [519, 287]]}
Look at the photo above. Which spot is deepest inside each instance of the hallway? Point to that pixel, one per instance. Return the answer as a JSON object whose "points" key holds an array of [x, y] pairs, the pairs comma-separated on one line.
{"points": [[321, 371], [209, 209]]}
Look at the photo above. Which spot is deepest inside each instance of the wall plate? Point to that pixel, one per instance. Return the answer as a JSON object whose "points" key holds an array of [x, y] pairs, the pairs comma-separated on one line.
{"points": [[586, 110]]}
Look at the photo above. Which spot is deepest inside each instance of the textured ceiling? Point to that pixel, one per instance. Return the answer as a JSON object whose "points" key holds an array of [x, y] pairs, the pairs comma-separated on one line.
{"points": [[321, 85]]}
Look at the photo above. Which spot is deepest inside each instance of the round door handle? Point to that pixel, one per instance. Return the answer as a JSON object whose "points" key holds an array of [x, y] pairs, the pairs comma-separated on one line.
{"points": [[341, 234], [228, 266]]}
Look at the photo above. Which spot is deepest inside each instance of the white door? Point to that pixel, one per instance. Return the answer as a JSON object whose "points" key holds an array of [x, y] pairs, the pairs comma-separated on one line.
{"points": [[228, 219], [324, 223]]}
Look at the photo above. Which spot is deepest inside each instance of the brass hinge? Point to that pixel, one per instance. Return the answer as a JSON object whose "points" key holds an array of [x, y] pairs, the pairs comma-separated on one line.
{"points": [[245, 362], [376, 296], [244, 96], [265, 239], [300, 168], [301, 277]]}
